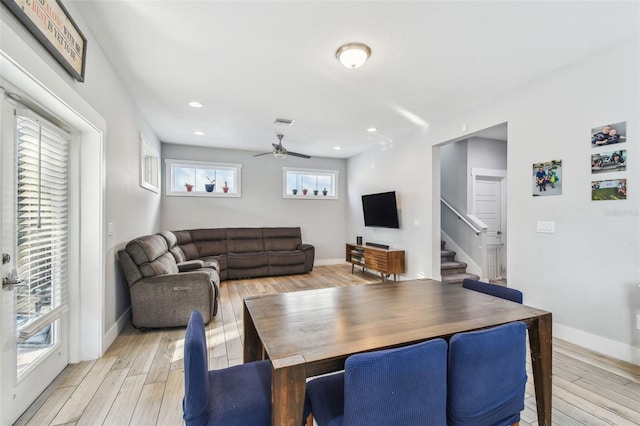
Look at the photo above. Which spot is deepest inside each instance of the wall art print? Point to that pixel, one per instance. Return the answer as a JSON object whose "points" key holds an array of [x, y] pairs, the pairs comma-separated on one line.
{"points": [[547, 178], [615, 161], [612, 189], [609, 134]]}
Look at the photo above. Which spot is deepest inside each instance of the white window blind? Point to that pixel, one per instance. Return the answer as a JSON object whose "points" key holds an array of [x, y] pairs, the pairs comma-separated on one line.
{"points": [[42, 222]]}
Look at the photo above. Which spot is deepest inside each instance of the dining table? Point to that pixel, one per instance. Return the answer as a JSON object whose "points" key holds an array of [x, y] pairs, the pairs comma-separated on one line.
{"points": [[311, 332]]}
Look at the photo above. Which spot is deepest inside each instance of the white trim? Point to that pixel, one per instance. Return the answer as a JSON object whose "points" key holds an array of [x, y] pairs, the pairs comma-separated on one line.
{"points": [[86, 315], [334, 174], [608, 347], [169, 178], [114, 331], [475, 171], [147, 151], [325, 262]]}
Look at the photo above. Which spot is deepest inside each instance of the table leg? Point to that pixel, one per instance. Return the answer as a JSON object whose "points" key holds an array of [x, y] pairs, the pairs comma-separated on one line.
{"points": [[541, 355], [252, 348], [288, 387]]}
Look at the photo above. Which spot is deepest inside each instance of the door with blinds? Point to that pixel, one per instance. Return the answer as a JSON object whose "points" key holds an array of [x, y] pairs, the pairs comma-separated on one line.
{"points": [[35, 214]]}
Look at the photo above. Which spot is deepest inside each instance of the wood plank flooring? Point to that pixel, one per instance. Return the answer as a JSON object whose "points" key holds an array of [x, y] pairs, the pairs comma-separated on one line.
{"points": [[140, 379]]}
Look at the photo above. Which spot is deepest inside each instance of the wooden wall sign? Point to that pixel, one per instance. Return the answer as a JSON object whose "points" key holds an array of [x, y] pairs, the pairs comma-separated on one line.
{"points": [[50, 23]]}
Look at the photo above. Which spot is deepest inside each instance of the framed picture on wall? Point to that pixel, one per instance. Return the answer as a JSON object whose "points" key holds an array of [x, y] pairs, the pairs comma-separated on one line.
{"points": [[609, 134], [612, 189], [615, 161], [547, 178]]}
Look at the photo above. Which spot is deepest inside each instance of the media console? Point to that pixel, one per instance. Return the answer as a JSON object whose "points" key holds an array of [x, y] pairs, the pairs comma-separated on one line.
{"points": [[386, 262]]}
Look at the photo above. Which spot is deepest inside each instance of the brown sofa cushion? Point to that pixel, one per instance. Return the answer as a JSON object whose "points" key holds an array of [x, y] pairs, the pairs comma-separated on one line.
{"points": [[281, 239], [244, 240], [246, 260], [295, 257], [147, 249], [209, 242]]}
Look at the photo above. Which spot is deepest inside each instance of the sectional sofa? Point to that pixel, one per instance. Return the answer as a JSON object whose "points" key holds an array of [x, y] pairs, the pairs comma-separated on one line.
{"points": [[171, 273]]}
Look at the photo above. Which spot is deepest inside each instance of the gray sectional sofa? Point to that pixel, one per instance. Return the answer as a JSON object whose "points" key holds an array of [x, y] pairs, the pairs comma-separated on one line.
{"points": [[174, 272]]}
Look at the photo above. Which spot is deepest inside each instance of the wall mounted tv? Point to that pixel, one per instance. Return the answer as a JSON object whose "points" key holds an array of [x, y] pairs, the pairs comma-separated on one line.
{"points": [[380, 210]]}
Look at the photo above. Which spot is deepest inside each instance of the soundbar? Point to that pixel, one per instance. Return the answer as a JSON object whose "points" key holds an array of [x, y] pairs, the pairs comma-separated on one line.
{"points": [[382, 246]]}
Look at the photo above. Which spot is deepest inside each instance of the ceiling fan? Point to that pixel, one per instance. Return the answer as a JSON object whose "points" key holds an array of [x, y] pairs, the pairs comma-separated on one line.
{"points": [[280, 152]]}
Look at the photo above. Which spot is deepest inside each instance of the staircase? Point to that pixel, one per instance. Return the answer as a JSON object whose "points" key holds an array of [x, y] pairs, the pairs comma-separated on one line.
{"points": [[452, 272]]}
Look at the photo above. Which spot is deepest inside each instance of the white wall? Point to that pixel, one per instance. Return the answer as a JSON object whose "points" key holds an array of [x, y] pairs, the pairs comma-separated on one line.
{"points": [[400, 167], [103, 95], [587, 273], [321, 220]]}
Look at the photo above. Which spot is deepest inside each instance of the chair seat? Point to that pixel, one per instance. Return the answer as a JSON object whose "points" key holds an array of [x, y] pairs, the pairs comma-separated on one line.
{"points": [[240, 395]]}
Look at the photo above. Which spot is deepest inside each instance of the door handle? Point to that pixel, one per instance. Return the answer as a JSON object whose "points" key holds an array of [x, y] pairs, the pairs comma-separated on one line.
{"points": [[499, 232]]}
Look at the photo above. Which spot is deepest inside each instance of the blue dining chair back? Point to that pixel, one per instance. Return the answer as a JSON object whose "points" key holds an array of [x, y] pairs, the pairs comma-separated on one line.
{"points": [[487, 376], [493, 289], [234, 396], [400, 386]]}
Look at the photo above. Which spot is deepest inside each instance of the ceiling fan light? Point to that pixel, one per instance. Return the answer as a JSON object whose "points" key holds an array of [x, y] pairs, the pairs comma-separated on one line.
{"points": [[279, 155], [353, 55]]}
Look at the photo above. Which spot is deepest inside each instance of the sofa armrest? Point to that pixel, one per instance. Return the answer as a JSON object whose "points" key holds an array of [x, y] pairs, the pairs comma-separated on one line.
{"points": [[309, 254], [168, 300], [190, 265]]}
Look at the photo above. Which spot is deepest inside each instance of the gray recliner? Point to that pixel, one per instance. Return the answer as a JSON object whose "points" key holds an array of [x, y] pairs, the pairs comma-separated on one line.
{"points": [[164, 292]]}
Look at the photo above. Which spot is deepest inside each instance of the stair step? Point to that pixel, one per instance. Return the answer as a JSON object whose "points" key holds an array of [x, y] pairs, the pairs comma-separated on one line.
{"points": [[452, 265], [457, 278], [447, 253]]}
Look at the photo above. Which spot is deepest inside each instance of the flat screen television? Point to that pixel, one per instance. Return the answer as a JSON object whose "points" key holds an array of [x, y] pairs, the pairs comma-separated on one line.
{"points": [[380, 210]]}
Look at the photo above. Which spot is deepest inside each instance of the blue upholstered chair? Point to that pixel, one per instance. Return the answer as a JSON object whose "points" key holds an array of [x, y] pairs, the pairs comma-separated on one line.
{"points": [[493, 289], [234, 396], [487, 376], [401, 386]]}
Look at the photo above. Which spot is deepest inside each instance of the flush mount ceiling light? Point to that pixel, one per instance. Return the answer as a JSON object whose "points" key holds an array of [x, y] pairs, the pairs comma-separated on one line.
{"points": [[353, 55], [198, 133], [195, 104]]}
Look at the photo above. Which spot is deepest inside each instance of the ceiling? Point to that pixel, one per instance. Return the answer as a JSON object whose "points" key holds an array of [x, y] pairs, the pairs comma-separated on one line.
{"points": [[252, 62]]}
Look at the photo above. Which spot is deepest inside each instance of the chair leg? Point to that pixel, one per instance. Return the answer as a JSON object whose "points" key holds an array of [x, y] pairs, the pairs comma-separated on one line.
{"points": [[310, 420]]}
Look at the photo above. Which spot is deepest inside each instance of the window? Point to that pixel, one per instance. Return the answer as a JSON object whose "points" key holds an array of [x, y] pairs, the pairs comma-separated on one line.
{"points": [[149, 166], [42, 226], [310, 184], [203, 179]]}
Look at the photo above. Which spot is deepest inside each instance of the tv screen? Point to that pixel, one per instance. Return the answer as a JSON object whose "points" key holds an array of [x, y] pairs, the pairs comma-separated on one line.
{"points": [[380, 210]]}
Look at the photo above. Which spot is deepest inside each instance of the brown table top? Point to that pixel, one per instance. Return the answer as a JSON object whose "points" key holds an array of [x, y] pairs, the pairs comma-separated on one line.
{"points": [[325, 324]]}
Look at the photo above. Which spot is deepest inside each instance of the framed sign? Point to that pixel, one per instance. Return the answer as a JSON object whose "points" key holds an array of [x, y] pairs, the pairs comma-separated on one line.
{"points": [[50, 23]]}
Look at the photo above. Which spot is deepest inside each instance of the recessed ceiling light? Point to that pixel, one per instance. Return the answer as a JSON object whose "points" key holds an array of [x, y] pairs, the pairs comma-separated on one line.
{"points": [[372, 129], [195, 104], [198, 133], [337, 148]]}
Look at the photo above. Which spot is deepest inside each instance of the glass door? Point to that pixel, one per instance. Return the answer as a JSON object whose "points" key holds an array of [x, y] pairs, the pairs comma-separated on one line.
{"points": [[34, 246]]}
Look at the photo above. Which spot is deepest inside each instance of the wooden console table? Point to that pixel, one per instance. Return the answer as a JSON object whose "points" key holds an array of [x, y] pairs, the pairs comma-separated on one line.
{"points": [[387, 262]]}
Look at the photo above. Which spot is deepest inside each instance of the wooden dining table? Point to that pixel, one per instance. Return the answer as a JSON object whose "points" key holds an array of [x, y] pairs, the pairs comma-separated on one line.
{"points": [[311, 332]]}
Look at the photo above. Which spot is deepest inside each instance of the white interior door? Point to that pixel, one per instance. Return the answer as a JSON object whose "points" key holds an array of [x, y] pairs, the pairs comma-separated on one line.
{"points": [[34, 329], [487, 206]]}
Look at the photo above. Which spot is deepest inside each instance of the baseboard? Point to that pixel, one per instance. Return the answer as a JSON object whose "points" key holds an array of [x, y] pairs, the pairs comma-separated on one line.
{"points": [[325, 262], [114, 331], [608, 347]]}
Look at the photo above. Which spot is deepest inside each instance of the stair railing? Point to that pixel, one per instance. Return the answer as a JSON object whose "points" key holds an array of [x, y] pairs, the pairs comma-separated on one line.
{"points": [[480, 229]]}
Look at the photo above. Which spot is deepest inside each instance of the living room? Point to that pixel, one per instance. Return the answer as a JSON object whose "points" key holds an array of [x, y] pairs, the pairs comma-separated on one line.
{"points": [[585, 273]]}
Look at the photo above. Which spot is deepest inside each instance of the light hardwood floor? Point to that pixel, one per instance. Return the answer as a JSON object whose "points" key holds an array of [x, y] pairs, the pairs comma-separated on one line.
{"points": [[140, 379]]}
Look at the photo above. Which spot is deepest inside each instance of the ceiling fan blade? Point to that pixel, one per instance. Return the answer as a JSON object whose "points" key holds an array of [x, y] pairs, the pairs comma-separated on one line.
{"points": [[297, 154], [264, 153]]}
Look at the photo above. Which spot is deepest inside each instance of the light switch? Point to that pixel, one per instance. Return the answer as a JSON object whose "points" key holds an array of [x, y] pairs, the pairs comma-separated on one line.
{"points": [[546, 227], [110, 228]]}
